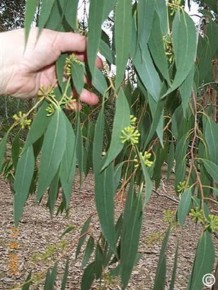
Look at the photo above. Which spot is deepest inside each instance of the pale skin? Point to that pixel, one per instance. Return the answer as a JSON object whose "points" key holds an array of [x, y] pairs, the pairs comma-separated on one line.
{"points": [[24, 69]]}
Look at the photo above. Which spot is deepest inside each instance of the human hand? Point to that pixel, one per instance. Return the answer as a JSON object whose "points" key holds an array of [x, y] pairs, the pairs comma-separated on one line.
{"points": [[24, 69]]}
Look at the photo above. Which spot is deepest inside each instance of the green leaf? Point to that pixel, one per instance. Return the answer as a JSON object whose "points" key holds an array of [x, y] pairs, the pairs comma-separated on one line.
{"points": [[53, 192], [123, 30], [22, 181], [88, 251], [68, 230], [211, 168], [157, 123], [64, 279], [55, 19], [186, 90], [50, 278], [148, 73], [68, 163], [69, 9], [184, 47], [160, 277], [98, 141], [38, 126], [157, 50], [170, 160], [121, 120], [99, 262], [88, 276], [80, 151], [130, 236], [16, 150], [3, 146], [204, 261], [108, 7], [161, 9], [83, 234], [77, 74], [211, 137], [104, 200], [157, 108], [173, 278], [28, 282], [30, 11], [184, 205], [145, 19], [96, 15], [106, 51], [180, 157], [99, 82], [148, 182], [45, 11], [53, 148]]}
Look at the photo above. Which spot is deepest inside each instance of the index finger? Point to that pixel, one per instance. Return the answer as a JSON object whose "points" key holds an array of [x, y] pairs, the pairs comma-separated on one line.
{"points": [[69, 41]]}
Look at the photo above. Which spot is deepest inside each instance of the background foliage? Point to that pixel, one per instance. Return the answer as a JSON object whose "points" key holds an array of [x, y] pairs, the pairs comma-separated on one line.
{"points": [[159, 108]]}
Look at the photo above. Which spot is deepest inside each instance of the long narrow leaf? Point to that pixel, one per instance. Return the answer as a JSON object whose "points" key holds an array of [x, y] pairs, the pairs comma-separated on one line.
{"points": [[159, 283], [22, 182], [204, 261], [121, 120], [184, 205], [64, 279], [96, 15], [184, 45], [132, 222], [123, 29], [3, 145], [53, 148]]}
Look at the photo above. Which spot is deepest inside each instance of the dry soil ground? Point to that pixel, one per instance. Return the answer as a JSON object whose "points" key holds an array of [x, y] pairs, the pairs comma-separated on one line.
{"points": [[37, 242]]}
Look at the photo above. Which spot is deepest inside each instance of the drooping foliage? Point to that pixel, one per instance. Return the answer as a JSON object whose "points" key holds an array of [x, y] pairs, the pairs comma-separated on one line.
{"points": [[164, 95]]}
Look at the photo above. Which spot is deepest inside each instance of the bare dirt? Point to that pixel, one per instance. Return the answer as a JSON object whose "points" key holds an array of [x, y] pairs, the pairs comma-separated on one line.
{"points": [[36, 245]]}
